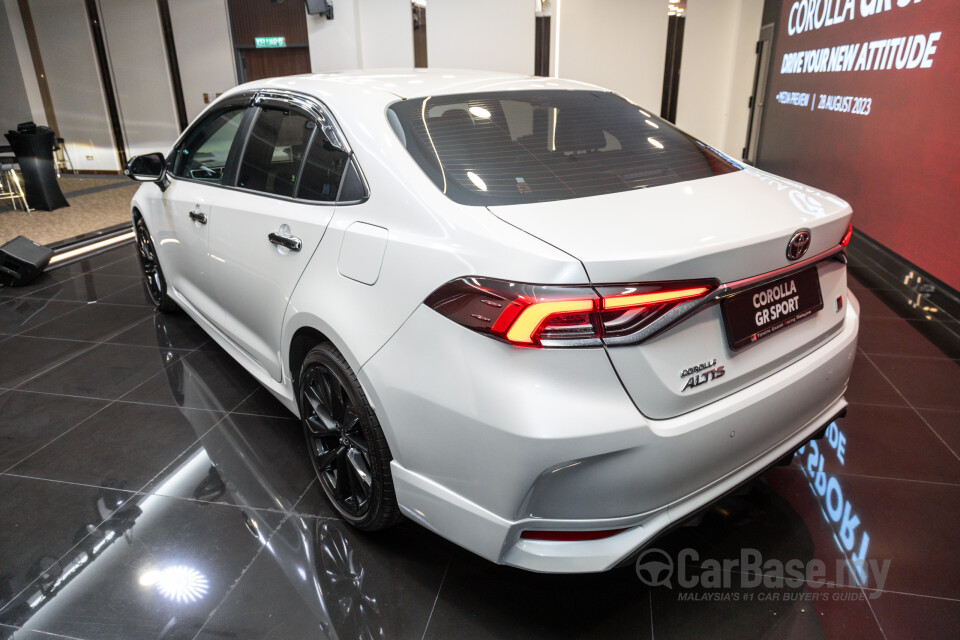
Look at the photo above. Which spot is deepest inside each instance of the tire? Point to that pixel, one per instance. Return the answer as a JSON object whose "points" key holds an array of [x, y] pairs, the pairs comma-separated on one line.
{"points": [[345, 442], [153, 279]]}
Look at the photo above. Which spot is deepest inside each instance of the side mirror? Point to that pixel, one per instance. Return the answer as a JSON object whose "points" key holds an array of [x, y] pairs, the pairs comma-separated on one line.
{"points": [[150, 167]]}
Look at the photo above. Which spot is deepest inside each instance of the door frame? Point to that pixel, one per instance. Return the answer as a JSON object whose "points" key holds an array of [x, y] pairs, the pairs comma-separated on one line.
{"points": [[760, 76]]}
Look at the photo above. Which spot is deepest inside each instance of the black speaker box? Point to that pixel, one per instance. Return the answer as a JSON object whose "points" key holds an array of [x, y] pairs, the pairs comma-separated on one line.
{"points": [[22, 260]]}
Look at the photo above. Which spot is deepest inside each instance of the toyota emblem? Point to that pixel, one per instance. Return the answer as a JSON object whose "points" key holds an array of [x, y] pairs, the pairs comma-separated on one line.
{"points": [[798, 244]]}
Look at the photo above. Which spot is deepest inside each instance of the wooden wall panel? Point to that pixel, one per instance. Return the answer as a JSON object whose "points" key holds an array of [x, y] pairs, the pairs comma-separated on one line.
{"points": [[252, 18], [269, 63]]}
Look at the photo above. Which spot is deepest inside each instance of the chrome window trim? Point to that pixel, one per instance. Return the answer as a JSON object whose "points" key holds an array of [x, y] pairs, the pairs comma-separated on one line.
{"points": [[280, 98]]}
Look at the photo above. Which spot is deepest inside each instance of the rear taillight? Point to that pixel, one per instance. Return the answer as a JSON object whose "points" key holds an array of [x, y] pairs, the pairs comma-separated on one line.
{"points": [[543, 315], [846, 237]]}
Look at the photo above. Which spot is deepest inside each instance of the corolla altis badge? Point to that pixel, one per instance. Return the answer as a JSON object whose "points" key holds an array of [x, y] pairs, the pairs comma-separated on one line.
{"points": [[701, 374], [798, 244]]}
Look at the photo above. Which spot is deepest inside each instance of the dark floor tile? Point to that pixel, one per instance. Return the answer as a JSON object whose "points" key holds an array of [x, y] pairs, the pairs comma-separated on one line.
{"points": [[895, 336], [926, 383], [263, 403], [19, 633], [868, 386], [871, 278], [804, 611], [126, 265], [719, 594], [30, 421], [92, 322], [324, 579], [88, 287], [910, 524], [42, 522], [17, 316], [483, 600], [314, 503], [260, 463], [202, 379], [49, 277], [167, 331], [161, 575], [907, 617], [103, 370], [105, 262], [136, 296], [871, 306], [23, 358], [123, 447], [888, 442], [946, 424]]}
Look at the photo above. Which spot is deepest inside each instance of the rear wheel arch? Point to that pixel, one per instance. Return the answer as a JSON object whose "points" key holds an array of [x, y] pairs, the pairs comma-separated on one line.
{"points": [[306, 337], [303, 340]]}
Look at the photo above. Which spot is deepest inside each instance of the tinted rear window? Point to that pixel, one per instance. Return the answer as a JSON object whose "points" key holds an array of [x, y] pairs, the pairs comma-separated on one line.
{"points": [[534, 146]]}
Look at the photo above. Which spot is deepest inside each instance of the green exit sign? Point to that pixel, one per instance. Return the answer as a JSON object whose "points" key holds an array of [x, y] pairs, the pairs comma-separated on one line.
{"points": [[270, 42]]}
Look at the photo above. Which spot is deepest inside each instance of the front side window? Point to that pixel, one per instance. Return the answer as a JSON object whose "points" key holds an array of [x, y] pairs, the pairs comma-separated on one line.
{"points": [[203, 154], [514, 147], [274, 152]]}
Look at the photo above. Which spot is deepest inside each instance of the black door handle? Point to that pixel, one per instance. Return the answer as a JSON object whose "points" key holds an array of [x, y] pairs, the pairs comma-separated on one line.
{"points": [[198, 216], [290, 242]]}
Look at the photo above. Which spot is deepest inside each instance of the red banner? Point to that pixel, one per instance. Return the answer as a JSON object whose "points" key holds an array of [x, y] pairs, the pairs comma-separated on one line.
{"points": [[863, 100]]}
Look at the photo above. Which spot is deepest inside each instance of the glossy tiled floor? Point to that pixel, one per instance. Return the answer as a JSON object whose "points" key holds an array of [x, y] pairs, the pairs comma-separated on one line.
{"points": [[150, 489]]}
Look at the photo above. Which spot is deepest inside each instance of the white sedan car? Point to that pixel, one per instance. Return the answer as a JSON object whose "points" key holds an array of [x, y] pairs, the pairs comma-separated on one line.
{"points": [[523, 312]]}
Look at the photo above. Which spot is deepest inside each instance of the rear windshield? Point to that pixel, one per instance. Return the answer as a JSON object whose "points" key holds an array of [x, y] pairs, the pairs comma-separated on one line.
{"points": [[513, 147]]}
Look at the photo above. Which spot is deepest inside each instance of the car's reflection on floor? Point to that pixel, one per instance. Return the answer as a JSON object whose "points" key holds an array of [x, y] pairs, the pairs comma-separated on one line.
{"points": [[233, 539]]}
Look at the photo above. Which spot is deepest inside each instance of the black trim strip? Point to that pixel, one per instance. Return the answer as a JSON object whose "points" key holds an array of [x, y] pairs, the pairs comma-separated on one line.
{"points": [[170, 47], [103, 63]]}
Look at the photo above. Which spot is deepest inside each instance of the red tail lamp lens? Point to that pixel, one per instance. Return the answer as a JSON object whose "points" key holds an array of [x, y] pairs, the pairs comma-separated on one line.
{"points": [[627, 308], [570, 536], [531, 315], [519, 313], [846, 237]]}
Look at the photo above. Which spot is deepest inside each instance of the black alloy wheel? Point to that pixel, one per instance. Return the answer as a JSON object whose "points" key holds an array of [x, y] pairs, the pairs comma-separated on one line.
{"points": [[150, 265], [349, 452]]}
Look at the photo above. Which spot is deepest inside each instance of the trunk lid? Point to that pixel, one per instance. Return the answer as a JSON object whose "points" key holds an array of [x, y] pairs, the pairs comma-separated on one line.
{"points": [[728, 227]]}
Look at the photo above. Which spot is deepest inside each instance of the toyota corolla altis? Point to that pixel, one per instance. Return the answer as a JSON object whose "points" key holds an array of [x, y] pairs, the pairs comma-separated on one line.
{"points": [[523, 312]]}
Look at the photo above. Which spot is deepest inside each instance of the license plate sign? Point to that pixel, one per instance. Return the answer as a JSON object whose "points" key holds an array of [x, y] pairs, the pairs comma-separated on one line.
{"points": [[763, 310]]}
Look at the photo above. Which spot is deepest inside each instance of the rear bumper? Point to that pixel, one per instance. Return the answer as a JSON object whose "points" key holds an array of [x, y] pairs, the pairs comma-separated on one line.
{"points": [[498, 442]]}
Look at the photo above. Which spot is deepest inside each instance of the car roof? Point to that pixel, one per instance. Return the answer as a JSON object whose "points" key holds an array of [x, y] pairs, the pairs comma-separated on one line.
{"points": [[391, 84]]}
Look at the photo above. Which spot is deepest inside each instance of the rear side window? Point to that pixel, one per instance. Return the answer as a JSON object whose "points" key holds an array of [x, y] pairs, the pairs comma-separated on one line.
{"points": [[322, 171], [514, 147], [203, 154], [274, 152]]}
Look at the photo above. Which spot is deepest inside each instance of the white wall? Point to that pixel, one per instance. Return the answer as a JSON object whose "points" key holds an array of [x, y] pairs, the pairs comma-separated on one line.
{"points": [[386, 33], [618, 44], [335, 44], [716, 70], [141, 77], [63, 34], [201, 34], [20, 74], [14, 107], [490, 34], [741, 82]]}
